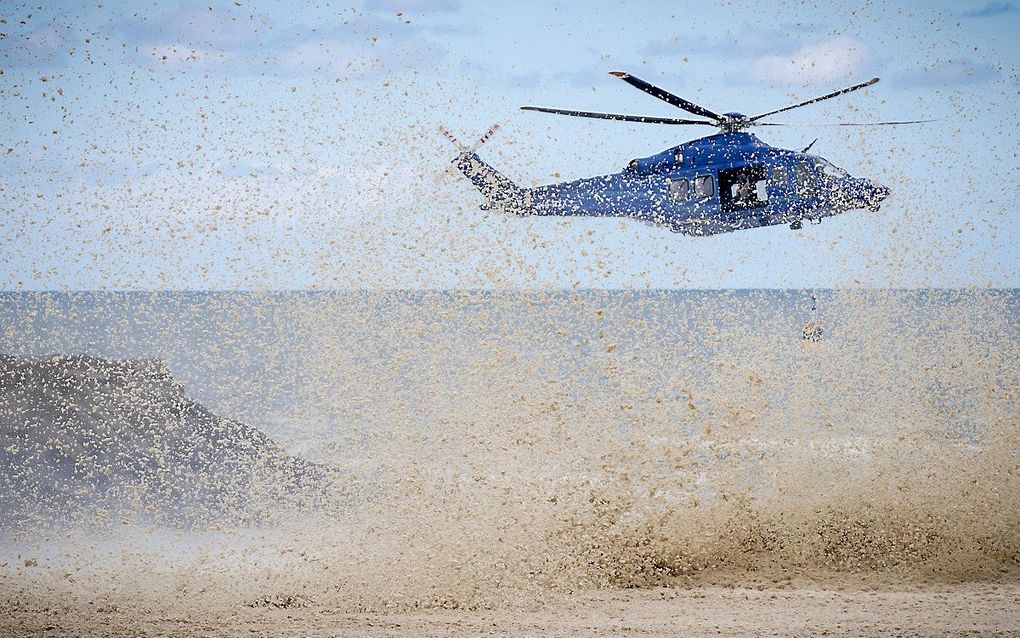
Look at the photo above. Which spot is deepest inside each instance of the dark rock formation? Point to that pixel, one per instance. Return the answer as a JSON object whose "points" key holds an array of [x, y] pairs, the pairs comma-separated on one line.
{"points": [[83, 436]]}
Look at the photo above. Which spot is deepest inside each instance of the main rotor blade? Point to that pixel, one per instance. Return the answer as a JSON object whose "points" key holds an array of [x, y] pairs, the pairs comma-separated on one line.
{"points": [[817, 99], [646, 119], [666, 96], [851, 123]]}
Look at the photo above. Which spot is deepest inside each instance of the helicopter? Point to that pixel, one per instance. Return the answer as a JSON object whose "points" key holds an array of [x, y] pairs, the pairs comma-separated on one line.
{"points": [[721, 183]]}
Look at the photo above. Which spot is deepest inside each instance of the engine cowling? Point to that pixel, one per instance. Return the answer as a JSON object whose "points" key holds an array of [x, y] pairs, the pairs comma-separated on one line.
{"points": [[655, 164]]}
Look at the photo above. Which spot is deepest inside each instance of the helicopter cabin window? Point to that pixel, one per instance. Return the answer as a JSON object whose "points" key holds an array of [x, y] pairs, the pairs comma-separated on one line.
{"points": [[678, 189], [780, 176], [743, 187], [704, 186]]}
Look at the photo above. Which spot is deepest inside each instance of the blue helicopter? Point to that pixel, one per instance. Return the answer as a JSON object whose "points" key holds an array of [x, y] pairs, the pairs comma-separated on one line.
{"points": [[717, 184]]}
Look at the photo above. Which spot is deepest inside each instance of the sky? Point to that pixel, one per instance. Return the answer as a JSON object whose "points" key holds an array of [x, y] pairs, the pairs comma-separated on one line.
{"points": [[263, 145]]}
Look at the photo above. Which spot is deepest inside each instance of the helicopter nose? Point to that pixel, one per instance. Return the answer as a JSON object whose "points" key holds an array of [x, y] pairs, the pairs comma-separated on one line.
{"points": [[854, 192], [878, 194]]}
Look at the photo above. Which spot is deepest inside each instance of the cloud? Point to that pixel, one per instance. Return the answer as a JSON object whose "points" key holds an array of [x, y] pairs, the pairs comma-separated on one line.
{"points": [[48, 45], [841, 58], [741, 45], [182, 56], [990, 9], [331, 54], [219, 27], [365, 47], [417, 6], [197, 36], [226, 39], [583, 78], [951, 72], [783, 55], [746, 43]]}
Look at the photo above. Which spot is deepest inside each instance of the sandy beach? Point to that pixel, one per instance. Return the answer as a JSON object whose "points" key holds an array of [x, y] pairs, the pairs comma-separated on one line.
{"points": [[957, 610]]}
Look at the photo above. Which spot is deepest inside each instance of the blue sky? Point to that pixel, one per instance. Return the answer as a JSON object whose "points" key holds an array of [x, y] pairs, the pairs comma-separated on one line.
{"points": [[229, 145]]}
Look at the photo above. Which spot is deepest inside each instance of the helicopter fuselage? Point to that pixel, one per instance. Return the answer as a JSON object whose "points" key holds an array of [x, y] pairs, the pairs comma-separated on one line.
{"points": [[716, 184]]}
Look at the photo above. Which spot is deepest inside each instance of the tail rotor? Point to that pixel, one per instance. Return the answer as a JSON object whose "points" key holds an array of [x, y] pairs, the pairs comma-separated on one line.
{"points": [[474, 147], [498, 190]]}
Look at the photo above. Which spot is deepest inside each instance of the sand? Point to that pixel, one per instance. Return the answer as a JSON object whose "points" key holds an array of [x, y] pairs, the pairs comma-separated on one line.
{"points": [[625, 477], [951, 610]]}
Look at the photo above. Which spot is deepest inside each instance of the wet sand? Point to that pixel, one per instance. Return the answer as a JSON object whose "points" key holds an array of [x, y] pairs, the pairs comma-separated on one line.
{"points": [[973, 609]]}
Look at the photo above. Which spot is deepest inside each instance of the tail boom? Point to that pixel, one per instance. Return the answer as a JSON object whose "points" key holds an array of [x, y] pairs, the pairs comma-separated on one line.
{"points": [[499, 191], [497, 188]]}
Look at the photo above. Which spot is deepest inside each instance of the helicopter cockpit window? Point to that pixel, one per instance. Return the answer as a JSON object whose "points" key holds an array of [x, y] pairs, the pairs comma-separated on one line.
{"points": [[704, 186], [678, 189], [829, 169]]}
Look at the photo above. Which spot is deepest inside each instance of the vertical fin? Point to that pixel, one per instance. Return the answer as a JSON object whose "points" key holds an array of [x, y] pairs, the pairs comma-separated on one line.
{"points": [[497, 188]]}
